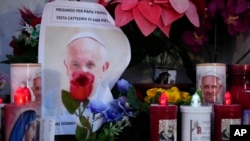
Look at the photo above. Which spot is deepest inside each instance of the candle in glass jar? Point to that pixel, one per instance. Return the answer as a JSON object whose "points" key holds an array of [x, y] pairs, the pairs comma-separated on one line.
{"points": [[196, 123], [238, 78], [163, 122], [224, 116]]}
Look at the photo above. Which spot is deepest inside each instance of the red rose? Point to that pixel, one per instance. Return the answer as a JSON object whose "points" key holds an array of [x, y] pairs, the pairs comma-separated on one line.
{"points": [[81, 85]]}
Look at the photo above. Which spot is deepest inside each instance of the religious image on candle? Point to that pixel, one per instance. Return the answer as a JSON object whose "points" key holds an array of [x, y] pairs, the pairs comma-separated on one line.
{"points": [[225, 127], [21, 122], [167, 130], [196, 129], [211, 80]]}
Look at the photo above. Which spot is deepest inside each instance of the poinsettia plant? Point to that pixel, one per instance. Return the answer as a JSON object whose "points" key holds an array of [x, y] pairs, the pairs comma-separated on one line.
{"points": [[115, 114], [25, 42], [179, 32], [149, 14]]}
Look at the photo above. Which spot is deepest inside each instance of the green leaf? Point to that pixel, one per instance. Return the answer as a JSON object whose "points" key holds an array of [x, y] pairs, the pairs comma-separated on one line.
{"points": [[85, 122], [132, 97], [70, 104], [135, 102], [83, 133], [199, 92], [106, 138]]}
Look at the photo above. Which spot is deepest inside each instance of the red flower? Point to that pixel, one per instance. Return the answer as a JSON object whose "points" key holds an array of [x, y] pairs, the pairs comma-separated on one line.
{"points": [[27, 15], [36, 21], [81, 85], [16, 51], [150, 14]]}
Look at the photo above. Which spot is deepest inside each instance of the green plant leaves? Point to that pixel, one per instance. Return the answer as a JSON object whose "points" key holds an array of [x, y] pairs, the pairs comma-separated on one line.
{"points": [[70, 104], [83, 132]]}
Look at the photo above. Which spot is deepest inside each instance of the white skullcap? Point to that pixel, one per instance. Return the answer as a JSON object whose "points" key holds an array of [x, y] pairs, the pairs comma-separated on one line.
{"points": [[211, 73], [86, 35]]}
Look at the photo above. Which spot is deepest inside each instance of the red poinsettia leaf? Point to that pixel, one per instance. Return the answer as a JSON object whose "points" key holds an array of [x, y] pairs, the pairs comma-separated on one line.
{"points": [[161, 1], [122, 17], [169, 15], [36, 21], [144, 25], [164, 29], [151, 12], [179, 6], [128, 4], [27, 15], [192, 15]]}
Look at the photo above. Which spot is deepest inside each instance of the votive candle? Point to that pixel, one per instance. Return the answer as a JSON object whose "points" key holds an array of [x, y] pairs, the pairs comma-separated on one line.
{"points": [[224, 116], [163, 122]]}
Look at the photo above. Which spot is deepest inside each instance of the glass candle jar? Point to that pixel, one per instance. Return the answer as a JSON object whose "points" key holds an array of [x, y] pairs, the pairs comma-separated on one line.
{"points": [[163, 122], [224, 116], [211, 80], [239, 81], [196, 123]]}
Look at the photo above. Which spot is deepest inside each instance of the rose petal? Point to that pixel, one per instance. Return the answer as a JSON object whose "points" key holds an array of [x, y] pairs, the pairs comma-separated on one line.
{"points": [[122, 17], [169, 16], [128, 4], [144, 25], [150, 12], [192, 15], [179, 6]]}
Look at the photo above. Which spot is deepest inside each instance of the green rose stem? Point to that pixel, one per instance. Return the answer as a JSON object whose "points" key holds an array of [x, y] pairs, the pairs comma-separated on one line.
{"points": [[83, 120]]}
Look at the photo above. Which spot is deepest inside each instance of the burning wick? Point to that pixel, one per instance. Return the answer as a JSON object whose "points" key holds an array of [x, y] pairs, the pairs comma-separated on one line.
{"points": [[227, 99], [163, 99], [22, 95]]}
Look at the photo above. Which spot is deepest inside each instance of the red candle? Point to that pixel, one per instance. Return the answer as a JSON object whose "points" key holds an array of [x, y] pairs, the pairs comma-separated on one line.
{"points": [[163, 122], [244, 100], [238, 78], [224, 116]]}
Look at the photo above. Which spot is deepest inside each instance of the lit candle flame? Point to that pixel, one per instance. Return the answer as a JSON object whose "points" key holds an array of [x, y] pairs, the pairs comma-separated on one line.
{"points": [[227, 98], [22, 95], [163, 99]]}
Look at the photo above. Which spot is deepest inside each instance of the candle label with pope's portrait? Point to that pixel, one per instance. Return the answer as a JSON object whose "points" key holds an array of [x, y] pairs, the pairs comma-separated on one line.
{"points": [[211, 80], [83, 55], [167, 130]]}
